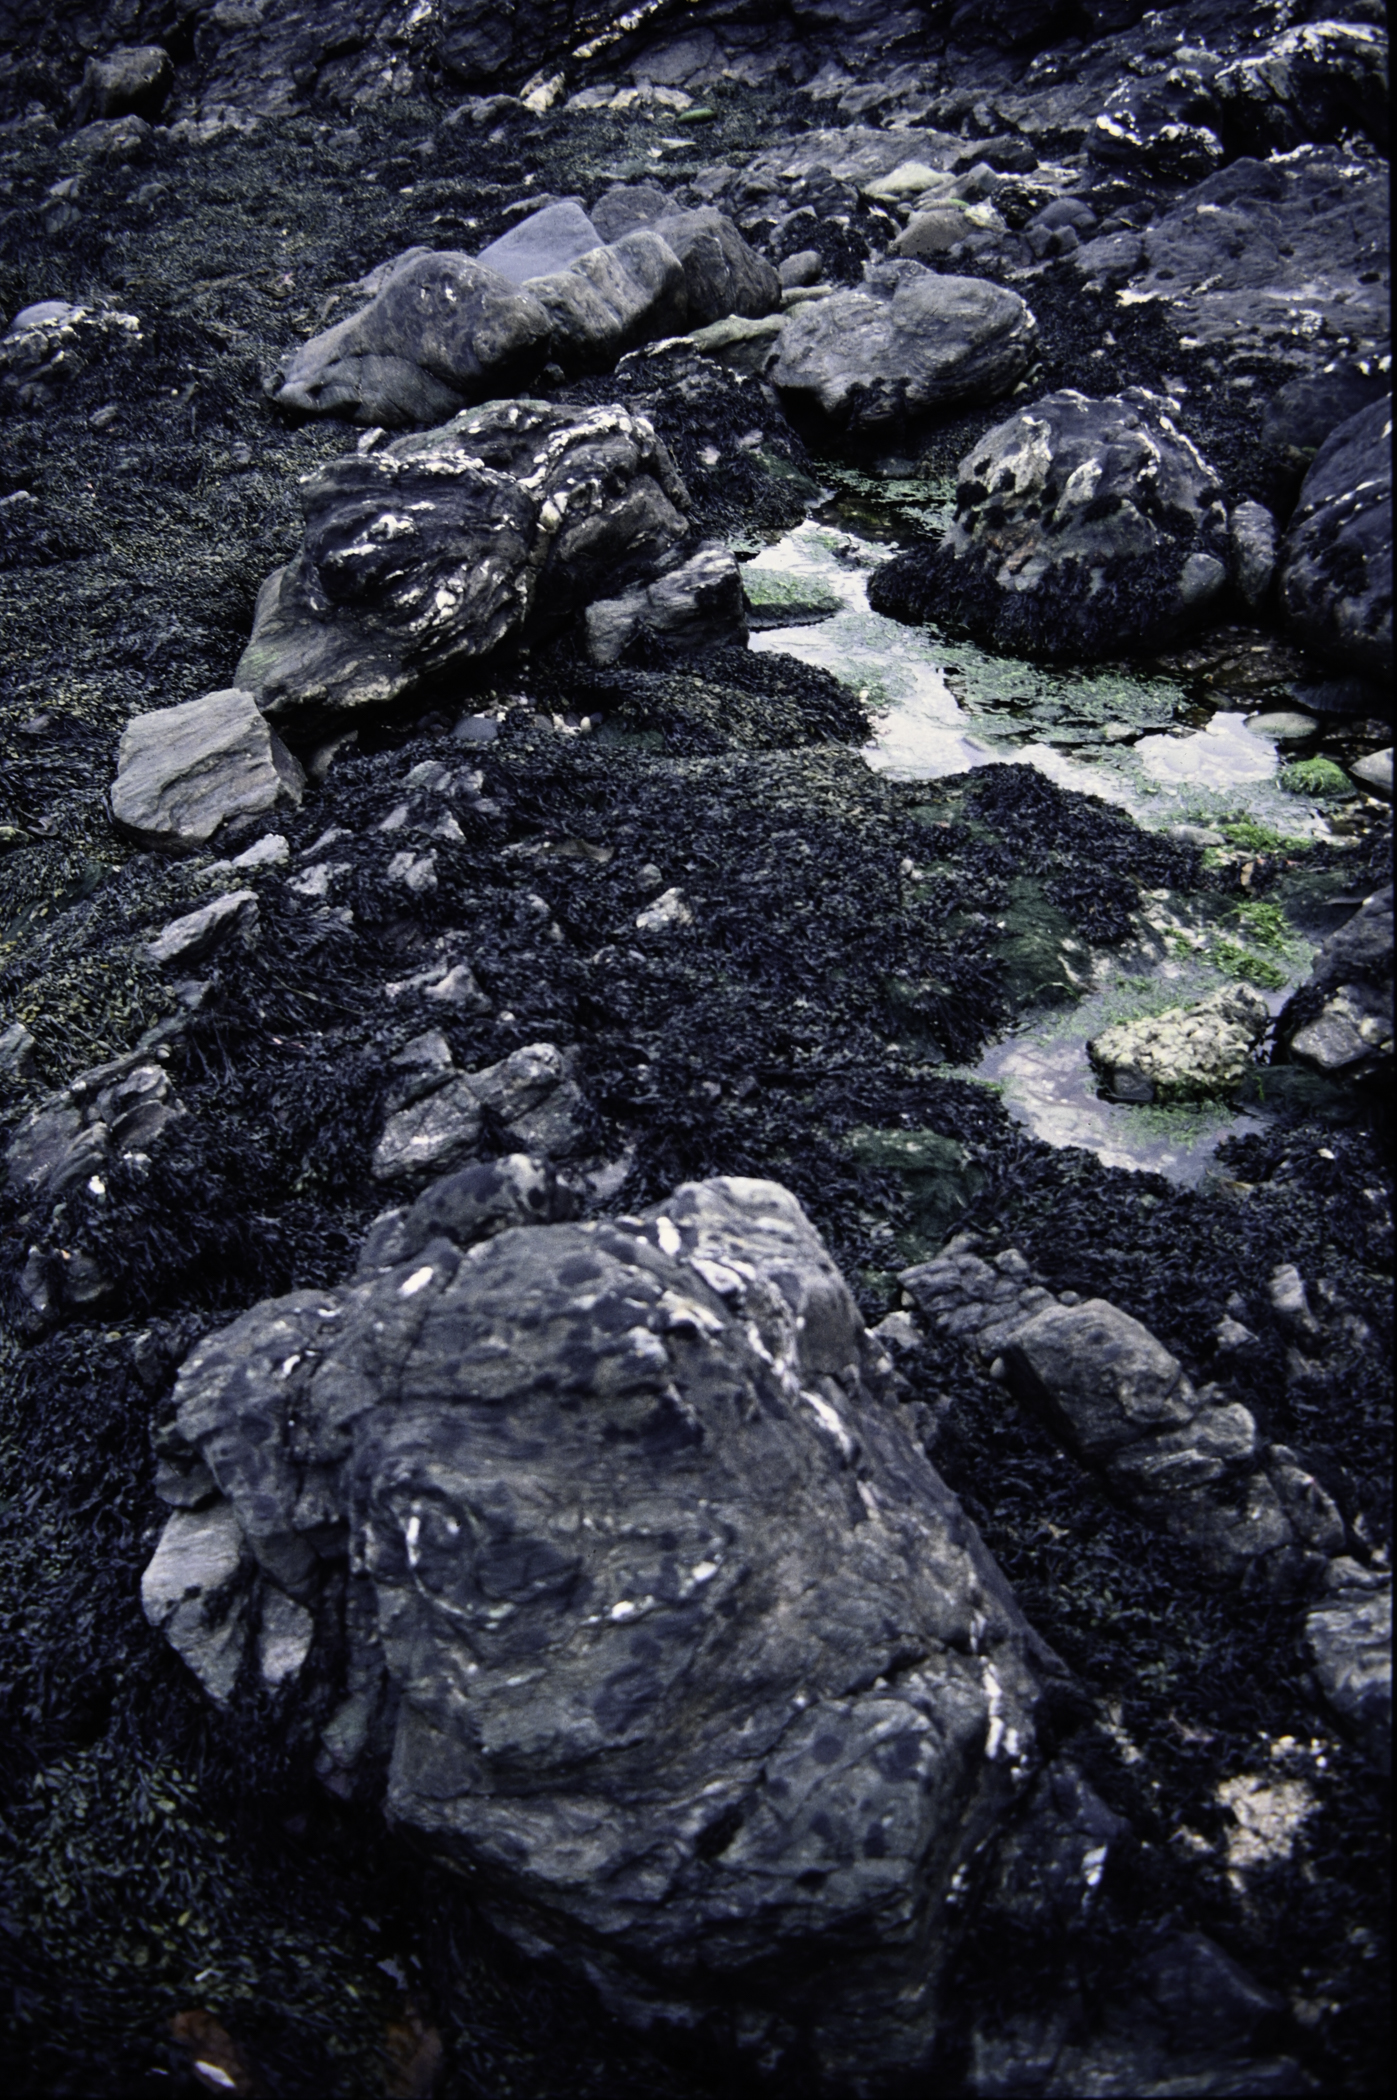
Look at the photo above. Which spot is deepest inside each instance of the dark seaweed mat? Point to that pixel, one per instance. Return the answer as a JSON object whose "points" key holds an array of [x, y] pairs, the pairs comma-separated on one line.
{"points": [[132, 587]]}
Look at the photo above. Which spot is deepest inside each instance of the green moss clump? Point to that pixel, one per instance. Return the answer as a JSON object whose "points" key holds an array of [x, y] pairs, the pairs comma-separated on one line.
{"points": [[1254, 837], [1316, 776], [1252, 969]]}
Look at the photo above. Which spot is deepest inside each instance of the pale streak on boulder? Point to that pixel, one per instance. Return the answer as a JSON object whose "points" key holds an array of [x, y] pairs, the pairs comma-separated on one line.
{"points": [[183, 771]]}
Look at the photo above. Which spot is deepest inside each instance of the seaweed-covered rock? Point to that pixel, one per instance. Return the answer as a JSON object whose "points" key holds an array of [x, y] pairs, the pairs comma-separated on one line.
{"points": [[183, 771], [907, 343], [1336, 563], [686, 1656], [1082, 527], [699, 605], [436, 550], [440, 332], [1184, 1054]]}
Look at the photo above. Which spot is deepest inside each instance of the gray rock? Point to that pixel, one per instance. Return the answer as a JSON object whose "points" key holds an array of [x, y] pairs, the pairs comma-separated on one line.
{"points": [[1082, 527], [190, 1591], [1336, 563], [1309, 85], [1348, 1639], [1253, 535], [804, 268], [133, 80], [194, 936], [53, 341], [1185, 1054], [441, 332], [545, 242], [17, 1060], [439, 1120], [437, 550], [612, 299], [627, 205], [183, 771], [1351, 1035], [1188, 1462], [722, 274], [1237, 258], [936, 231], [696, 606], [905, 345], [1375, 772], [113, 1110], [659, 1624]]}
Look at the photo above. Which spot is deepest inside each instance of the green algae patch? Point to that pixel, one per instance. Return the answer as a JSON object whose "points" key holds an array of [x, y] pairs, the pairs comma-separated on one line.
{"points": [[1319, 777], [939, 1178]]}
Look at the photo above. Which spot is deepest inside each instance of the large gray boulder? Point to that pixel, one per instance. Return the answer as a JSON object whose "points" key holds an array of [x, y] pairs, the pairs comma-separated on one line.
{"points": [[906, 344], [440, 332], [657, 1624], [1336, 561], [722, 274], [1083, 527], [612, 299], [183, 771], [436, 550]]}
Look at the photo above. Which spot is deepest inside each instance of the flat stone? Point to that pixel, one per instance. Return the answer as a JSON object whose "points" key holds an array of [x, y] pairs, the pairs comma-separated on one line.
{"points": [[183, 771], [198, 933], [1375, 773], [548, 240]]}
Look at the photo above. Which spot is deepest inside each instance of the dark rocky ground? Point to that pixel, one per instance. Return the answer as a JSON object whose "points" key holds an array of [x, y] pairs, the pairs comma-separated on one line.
{"points": [[175, 1877]]}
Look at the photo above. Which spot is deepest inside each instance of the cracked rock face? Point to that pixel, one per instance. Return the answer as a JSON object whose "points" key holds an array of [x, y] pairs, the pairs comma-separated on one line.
{"points": [[437, 549], [1184, 1054], [670, 1638], [906, 344], [1082, 526]]}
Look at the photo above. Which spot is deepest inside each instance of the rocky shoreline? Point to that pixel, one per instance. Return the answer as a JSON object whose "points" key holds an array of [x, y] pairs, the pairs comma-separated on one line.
{"points": [[587, 1509]]}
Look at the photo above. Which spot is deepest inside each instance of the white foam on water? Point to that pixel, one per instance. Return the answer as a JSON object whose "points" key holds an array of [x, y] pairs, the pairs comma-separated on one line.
{"points": [[1225, 754]]}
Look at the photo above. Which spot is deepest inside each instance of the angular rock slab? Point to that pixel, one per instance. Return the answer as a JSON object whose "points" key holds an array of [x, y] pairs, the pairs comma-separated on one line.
{"points": [[1336, 562], [1185, 1054], [183, 771], [441, 332], [1350, 982], [436, 550], [908, 343], [1082, 527], [696, 606], [675, 1644]]}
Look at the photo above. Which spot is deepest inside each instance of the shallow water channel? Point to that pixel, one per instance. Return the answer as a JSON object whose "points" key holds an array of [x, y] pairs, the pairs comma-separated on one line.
{"points": [[943, 706]]}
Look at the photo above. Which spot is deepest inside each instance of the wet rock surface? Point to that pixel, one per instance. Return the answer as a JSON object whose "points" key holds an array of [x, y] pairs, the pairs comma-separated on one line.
{"points": [[1336, 565], [655, 910], [1081, 527], [688, 1730]]}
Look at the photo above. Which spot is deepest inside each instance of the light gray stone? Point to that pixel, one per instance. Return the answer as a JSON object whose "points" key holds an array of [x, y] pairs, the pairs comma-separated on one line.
{"points": [[545, 242], [1375, 773], [696, 606], [905, 345], [198, 933], [439, 1121], [188, 1592], [1187, 1053], [1348, 1638], [183, 771]]}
